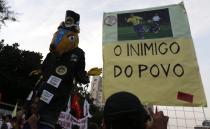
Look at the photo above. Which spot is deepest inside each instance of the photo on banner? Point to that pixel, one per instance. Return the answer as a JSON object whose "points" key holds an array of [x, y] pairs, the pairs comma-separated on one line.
{"points": [[148, 23]]}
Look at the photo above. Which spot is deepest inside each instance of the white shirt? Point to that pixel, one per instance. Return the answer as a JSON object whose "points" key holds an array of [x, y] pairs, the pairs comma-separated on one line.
{"points": [[9, 125], [156, 18]]}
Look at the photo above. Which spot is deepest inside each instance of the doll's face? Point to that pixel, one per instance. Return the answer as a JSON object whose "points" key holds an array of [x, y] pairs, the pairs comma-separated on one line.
{"points": [[64, 41]]}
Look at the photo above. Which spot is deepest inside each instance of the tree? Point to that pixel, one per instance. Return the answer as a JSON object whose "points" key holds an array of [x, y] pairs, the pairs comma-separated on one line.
{"points": [[5, 13], [1, 44], [15, 66]]}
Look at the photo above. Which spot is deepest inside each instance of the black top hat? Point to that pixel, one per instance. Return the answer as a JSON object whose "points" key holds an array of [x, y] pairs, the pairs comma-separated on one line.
{"points": [[71, 21], [75, 17]]}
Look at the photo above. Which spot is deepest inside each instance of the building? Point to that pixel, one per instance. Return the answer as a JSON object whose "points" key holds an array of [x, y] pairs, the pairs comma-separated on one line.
{"points": [[96, 91]]}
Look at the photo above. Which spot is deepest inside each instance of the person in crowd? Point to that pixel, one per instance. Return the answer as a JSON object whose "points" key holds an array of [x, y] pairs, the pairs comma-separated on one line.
{"points": [[8, 120], [123, 110], [4, 123]]}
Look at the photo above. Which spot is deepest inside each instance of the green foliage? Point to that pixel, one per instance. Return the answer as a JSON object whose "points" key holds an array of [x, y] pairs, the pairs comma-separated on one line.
{"points": [[15, 66], [127, 33], [5, 13]]}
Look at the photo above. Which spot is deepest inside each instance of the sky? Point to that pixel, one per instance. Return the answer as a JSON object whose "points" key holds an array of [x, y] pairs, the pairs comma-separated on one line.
{"points": [[39, 19]]}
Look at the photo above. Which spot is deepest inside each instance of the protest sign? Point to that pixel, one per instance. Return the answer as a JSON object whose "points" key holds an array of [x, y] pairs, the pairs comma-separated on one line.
{"points": [[150, 53]]}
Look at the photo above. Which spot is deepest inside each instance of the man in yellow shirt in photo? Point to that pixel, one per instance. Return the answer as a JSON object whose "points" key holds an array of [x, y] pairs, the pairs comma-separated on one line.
{"points": [[137, 23]]}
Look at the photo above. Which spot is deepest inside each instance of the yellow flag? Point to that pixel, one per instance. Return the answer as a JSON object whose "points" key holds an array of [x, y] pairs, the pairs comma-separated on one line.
{"points": [[14, 112]]}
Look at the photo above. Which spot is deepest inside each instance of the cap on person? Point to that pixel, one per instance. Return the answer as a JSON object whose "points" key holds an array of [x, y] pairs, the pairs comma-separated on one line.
{"points": [[125, 111]]}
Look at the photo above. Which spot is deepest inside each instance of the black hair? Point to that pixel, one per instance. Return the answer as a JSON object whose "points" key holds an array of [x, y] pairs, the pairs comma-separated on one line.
{"points": [[9, 116], [124, 110]]}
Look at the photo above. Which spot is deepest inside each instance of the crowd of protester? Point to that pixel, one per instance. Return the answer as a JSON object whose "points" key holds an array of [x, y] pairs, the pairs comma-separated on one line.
{"points": [[122, 110]]}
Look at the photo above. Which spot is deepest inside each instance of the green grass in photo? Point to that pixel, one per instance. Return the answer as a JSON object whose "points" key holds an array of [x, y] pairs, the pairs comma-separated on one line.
{"points": [[127, 33]]}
